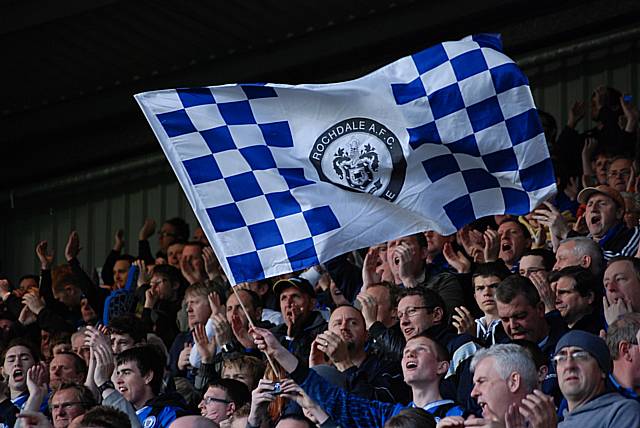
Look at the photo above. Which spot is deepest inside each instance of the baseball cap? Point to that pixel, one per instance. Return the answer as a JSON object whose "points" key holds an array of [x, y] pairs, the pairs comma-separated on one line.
{"points": [[587, 192], [299, 283]]}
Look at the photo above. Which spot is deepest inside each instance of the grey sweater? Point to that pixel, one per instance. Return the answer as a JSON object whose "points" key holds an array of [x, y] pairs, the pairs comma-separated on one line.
{"points": [[607, 410]]}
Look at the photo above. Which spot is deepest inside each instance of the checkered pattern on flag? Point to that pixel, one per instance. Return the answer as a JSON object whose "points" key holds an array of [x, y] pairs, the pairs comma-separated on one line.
{"points": [[284, 177]]}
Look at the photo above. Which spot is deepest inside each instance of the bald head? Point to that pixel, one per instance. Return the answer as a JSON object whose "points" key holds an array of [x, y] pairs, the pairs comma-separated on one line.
{"points": [[193, 422]]}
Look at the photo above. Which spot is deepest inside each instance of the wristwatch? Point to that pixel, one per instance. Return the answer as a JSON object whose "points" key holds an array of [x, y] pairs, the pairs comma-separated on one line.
{"points": [[108, 384]]}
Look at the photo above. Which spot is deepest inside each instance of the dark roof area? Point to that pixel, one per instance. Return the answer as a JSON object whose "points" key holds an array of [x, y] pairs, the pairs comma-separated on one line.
{"points": [[70, 68]]}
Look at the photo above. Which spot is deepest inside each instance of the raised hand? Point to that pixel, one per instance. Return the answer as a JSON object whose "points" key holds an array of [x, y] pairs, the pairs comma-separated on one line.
{"points": [[105, 363], [612, 311], [183, 358], [576, 113], [44, 255], [148, 228], [144, 275], [215, 305], [463, 321], [547, 295], [539, 409], [260, 399], [205, 347], [34, 302], [335, 348], [456, 259], [369, 267], [491, 247], [222, 327], [118, 241], [211, 264], [369, 309], [72, 249]]}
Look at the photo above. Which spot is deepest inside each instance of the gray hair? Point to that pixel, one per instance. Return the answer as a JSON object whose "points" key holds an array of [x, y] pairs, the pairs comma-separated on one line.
{"points": [[509, 358], [80, 331], [587, 247], [625, 328]]}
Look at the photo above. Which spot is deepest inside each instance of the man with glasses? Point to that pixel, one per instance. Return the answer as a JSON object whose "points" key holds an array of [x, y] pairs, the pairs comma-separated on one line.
{"points": [[419, 310], [69, 401], [223, 398], [583, 362], [618, 173]]}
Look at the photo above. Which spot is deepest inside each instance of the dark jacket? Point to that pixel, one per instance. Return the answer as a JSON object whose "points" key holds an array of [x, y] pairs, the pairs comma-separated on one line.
{"points": [[378, 379], [300, 345]]}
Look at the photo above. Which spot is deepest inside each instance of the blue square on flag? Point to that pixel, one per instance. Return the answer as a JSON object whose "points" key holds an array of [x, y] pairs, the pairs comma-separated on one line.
{"points": [[430, 58], [258, 91], [283, 204], [445, 101], [294, 177], [524, 126], [246, 267], [468, 64], [460, 211], [301, 253], [501, 161], [478, 179], [440, 166], [485, 114], [258, 157], [176, 123], [202, 169], [427, 133], [277, 134], [407, 92], [265, 234], [507, 76], [195, 97], [218, 139], [243, 186], [226, 217], [237, 113], [320, 220]]}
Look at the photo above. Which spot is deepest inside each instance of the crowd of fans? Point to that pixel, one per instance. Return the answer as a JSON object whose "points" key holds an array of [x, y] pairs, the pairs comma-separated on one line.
{"points": [[530, 321]]}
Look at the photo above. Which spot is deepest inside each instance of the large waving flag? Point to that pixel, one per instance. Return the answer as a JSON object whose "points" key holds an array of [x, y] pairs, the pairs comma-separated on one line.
{"points": [[284, 177]]}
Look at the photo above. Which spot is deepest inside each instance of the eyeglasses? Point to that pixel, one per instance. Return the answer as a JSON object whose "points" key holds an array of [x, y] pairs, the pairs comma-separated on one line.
{"points": [[619, 173], [67, 405], [209, 400], [578, 356], [413, 311]]}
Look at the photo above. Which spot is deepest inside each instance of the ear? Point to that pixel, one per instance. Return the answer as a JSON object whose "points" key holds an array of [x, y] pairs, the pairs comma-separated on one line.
{"points": [[438, 314], [443, 368], [258, 313], [540, 309], [514, 381], [591, 298], [231, 409], [586, 261], [623, 350], [148, 377], [619, 213], [542, 373]]}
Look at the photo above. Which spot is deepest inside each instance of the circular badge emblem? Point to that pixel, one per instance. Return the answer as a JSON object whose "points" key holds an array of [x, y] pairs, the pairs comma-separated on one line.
{"points": [[149, 422], [360, 155]]}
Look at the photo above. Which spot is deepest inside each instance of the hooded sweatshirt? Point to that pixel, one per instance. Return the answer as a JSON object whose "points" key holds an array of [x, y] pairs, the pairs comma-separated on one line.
{"points": [[607, 410]]}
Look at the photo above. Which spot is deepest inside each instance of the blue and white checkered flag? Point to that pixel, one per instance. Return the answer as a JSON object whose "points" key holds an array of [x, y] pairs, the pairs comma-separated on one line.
{"points": [[284, 177]]}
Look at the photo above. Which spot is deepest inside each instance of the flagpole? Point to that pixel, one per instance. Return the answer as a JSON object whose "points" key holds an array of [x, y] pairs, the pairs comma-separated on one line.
{"points": [[271, 363]]}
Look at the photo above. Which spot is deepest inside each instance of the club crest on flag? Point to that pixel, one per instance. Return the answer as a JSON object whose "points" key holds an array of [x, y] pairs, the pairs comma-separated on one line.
{"points": [[360, 155]]}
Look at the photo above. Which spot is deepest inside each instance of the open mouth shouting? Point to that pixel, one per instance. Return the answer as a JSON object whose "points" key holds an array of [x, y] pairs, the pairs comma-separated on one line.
{"points": [[18, 375]]}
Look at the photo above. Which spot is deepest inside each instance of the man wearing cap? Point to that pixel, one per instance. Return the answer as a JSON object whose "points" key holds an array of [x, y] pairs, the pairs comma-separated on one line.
{"points": [[301, 323], [583, 363], [604, 219]]}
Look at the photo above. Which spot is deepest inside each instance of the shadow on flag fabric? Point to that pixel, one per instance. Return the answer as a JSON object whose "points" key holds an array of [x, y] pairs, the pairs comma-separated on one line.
{"points": [[284, 177]]}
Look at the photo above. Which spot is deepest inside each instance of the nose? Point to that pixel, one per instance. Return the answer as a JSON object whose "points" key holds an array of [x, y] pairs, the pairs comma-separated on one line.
{"points": [[474, 392]]}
